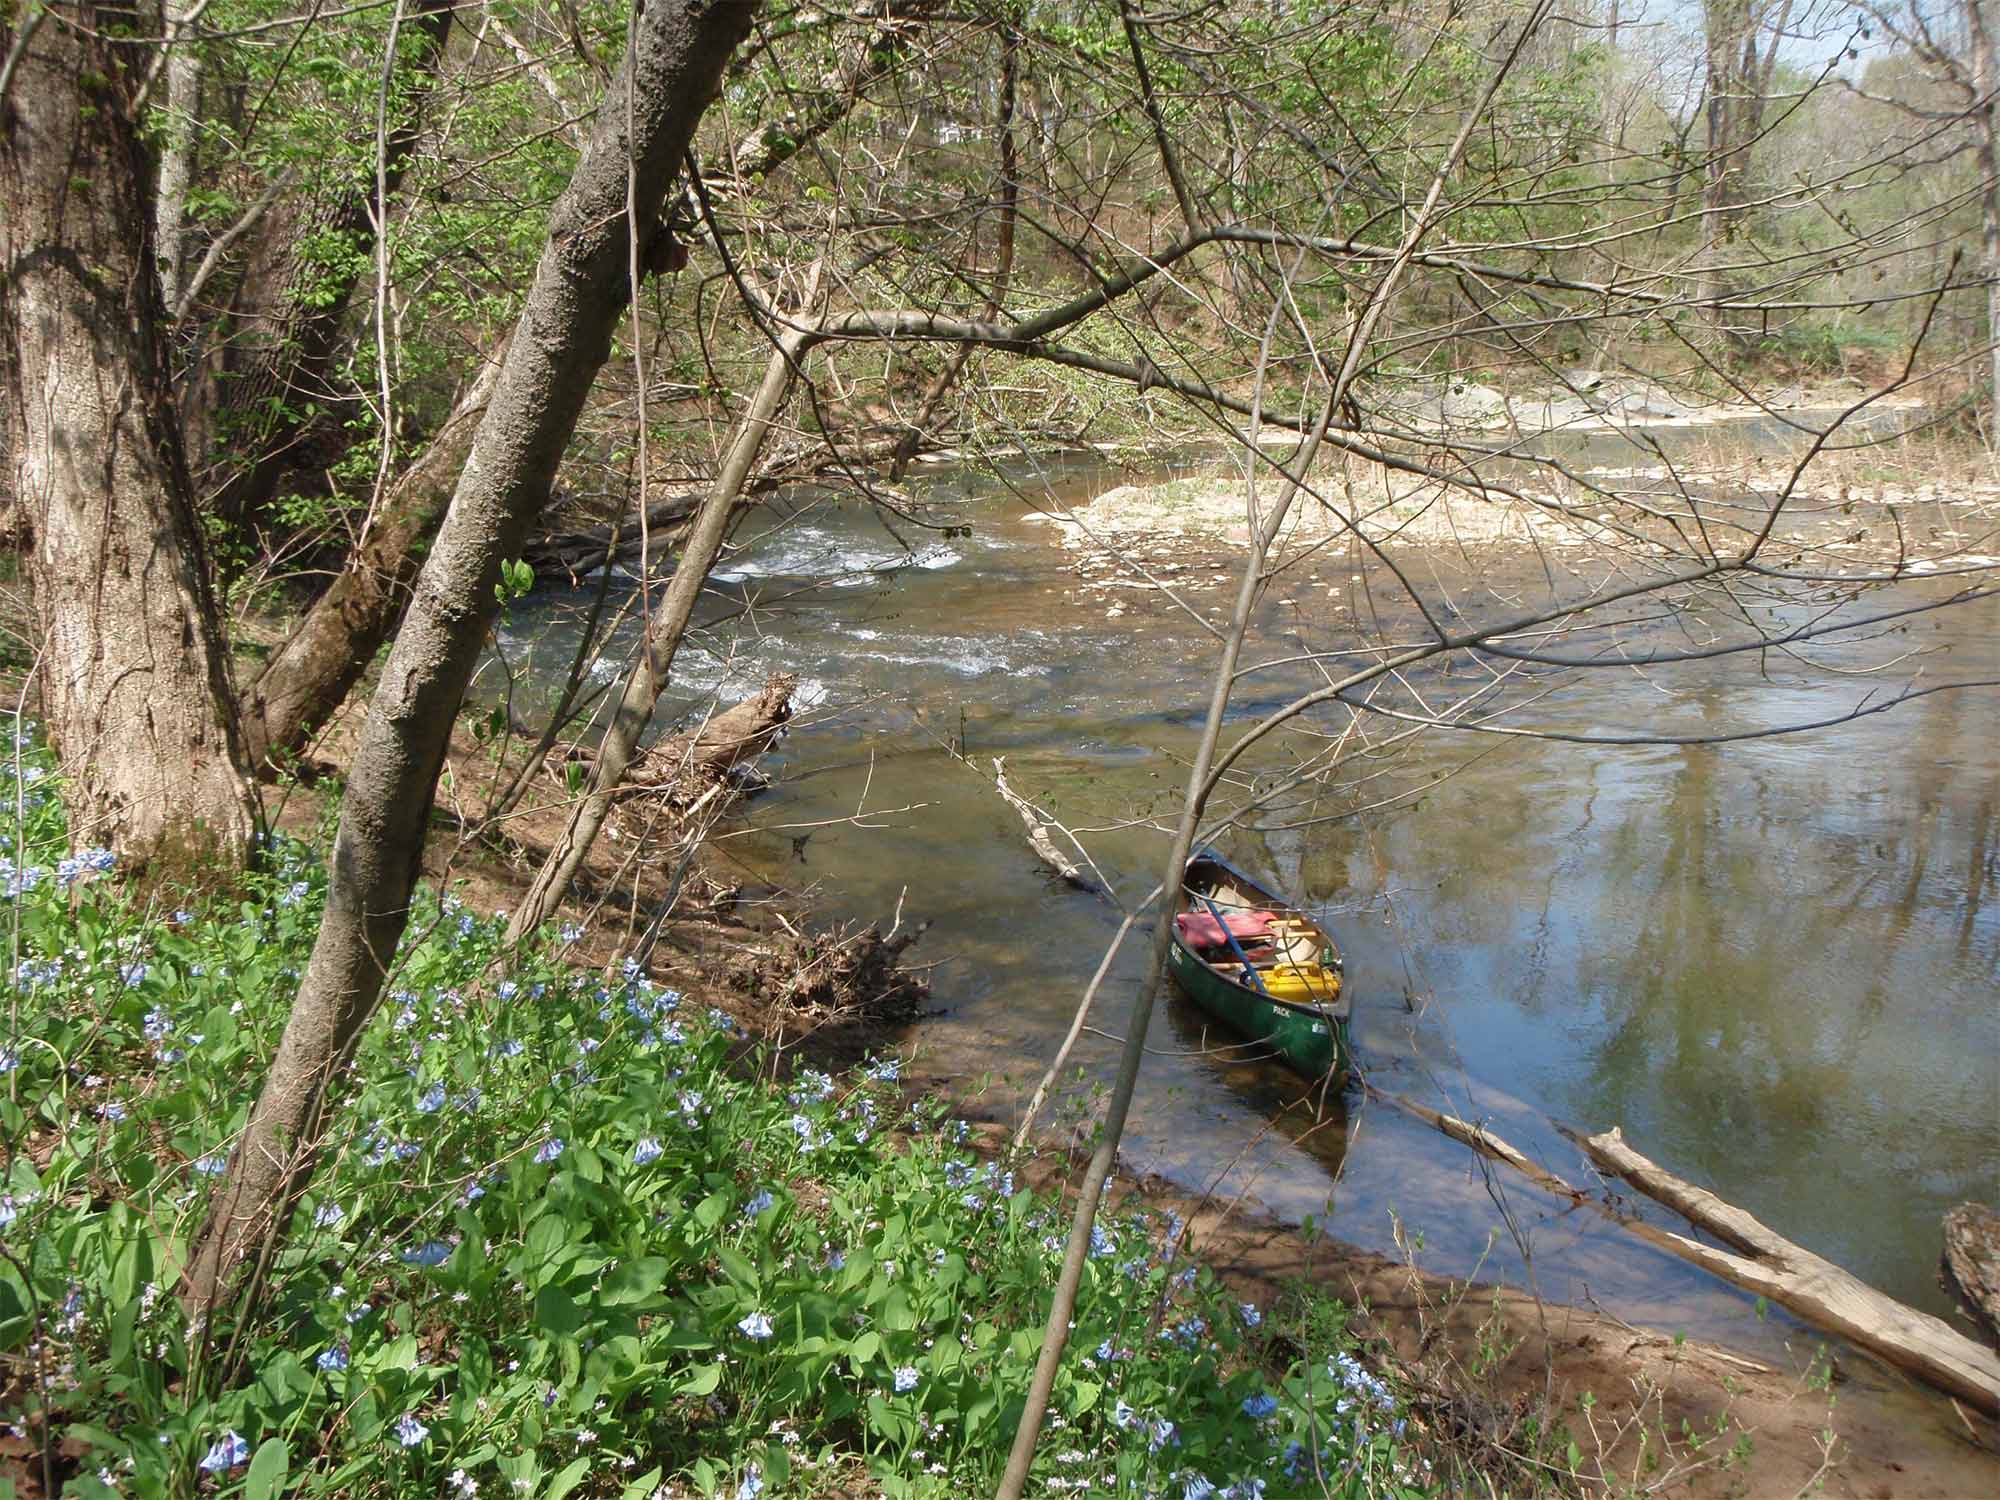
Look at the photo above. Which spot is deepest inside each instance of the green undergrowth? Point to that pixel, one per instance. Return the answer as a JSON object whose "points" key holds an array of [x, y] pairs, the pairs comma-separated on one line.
{"points": [[565, 1239]]}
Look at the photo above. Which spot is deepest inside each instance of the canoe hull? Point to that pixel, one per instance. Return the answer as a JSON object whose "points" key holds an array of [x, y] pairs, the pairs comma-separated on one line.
{"points": [[1310, 1038]]}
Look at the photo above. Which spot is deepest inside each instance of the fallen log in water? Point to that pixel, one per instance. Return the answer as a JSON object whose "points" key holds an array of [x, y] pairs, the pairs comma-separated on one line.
{"points": [[1038, 835], [687, 767], [1814, 1288], [592, 547], [1971, 1262], [1769, 1265]]}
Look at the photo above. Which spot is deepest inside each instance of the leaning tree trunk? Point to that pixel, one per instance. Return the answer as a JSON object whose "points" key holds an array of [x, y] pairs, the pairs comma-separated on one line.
{"points": [[581, 288], [653, 666], [310, 676], [338, 636], [133, 673]]}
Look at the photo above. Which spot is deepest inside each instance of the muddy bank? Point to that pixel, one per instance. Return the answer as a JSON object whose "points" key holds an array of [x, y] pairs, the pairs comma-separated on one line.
{"points": [[1650, 1412]]}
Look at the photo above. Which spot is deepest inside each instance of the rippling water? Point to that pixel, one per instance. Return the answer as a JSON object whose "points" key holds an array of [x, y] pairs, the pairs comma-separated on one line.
{"points": [[1775, 963]]}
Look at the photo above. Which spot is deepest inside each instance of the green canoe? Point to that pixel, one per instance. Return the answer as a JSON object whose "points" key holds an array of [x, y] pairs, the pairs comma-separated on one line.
{"points": [[1262, 968]]}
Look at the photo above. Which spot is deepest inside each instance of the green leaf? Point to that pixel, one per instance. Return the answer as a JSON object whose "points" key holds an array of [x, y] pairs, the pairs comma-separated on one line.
{"points": [[712, 1210], [737, 1267], [567, 1480], [634, 1281], [556, 1313], [701, 1381], [267, 1470]]}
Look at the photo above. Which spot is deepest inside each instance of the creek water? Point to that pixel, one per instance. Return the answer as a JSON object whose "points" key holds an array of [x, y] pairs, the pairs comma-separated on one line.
{"points": [[1773, 962]]}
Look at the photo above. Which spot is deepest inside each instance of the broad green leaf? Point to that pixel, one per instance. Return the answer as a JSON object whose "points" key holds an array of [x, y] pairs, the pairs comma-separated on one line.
{"points": [[567, 1480], [556, 1313], [268, 1470], [634, 1281], [701, 1381]]}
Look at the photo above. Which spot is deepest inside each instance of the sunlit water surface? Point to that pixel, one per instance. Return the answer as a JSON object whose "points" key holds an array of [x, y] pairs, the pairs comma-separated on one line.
{"points": [[1772, 962]]}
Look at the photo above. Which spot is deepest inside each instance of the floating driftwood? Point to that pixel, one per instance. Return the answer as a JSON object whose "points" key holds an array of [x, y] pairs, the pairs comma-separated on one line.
{"points": [[1809, 1285], [1971, 1262], [1769, 1265]]}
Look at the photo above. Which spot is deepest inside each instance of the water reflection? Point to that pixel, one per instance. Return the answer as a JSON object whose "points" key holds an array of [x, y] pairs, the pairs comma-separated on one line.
{"points": [[1773, 963]]}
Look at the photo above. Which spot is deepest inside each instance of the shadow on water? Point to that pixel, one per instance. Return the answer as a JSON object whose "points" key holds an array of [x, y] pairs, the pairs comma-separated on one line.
{"points": [[1773, 963]]}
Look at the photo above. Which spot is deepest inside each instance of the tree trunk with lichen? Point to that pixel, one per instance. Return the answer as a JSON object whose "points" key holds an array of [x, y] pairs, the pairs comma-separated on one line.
{"points": [[132, 670]]}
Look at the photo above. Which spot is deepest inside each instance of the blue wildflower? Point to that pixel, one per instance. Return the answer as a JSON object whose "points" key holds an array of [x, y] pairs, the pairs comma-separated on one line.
{"points": [[752, 1485], [229, 1451], [755, 1326], [1251, 1317], [213, 1165], [1260, 1406], [906, 1378], [1159, 1434], [132, 975], [333, 1360], [429, 1253], [549, 1150], [813, 1087], [410, 1432], [758, 1204], [646, 1152], [432, 1100]]}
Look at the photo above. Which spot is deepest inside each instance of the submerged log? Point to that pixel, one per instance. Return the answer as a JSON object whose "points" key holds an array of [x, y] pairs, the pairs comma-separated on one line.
{"points": [[1814, 1288], [1971, 1262], [1038, 835]]}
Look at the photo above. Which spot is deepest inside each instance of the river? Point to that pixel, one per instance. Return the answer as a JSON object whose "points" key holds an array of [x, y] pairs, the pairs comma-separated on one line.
{"points": [[1773, 962]]}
